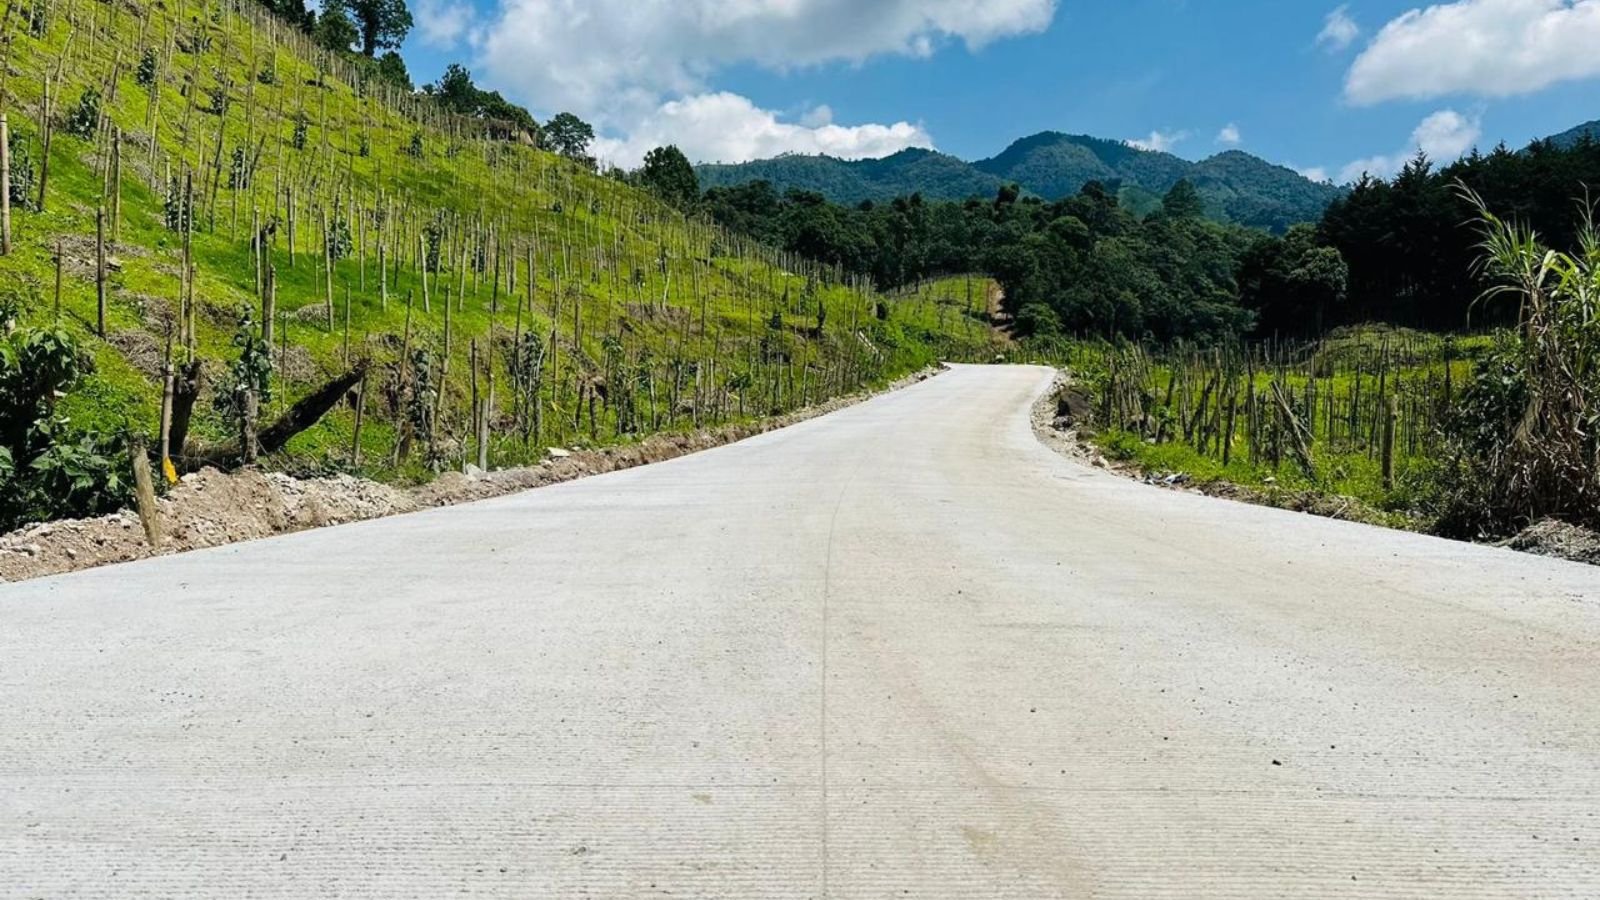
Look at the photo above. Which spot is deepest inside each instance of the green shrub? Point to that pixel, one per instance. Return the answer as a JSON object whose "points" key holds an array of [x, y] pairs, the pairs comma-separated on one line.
{"points": [[145, 76], [22, 172], [339, 241], [84, 119], [48, 470]]}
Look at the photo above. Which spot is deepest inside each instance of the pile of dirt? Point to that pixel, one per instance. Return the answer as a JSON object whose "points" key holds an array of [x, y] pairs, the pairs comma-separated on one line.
{"points": [[1562, 540], [212, 508]]}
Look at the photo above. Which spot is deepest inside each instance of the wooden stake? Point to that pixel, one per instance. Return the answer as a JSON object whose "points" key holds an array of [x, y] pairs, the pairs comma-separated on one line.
{"points": [[100, 269], [5, 186], [44, 161], [59, 258], [361, 409], [145, 492]]}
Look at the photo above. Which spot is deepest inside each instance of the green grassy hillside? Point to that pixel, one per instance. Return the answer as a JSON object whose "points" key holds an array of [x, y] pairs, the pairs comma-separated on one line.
{"points": [[463, 265]]}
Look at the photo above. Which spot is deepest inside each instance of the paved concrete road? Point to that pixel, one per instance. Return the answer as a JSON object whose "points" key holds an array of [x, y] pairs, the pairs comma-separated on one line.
{"points": [[901, 651]]}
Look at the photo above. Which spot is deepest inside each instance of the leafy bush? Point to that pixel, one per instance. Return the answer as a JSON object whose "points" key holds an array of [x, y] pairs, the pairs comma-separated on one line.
{"points": [[145, 76], [38, 16], [176, 209], [415, 147], [47, 470], [239, 171], [84, 119], [339, 240], [301, 126], [22, 173], [217, 100], [433, 239], [250, 373]]}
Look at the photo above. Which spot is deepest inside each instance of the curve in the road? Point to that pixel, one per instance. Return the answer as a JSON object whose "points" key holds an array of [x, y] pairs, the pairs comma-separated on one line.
{"points": [[901, 650]]}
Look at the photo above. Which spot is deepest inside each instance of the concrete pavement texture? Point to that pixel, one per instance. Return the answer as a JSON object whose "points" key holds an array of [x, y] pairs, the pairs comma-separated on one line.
{"points": [[902, 650]]}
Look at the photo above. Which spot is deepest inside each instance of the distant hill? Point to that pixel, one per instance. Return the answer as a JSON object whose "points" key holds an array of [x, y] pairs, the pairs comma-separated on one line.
{"points": [[937, 176], [1237, 187], [1573, 136]]}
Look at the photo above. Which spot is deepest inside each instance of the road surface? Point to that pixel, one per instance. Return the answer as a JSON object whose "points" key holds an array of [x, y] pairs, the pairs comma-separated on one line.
{"points": [[899, 651]]}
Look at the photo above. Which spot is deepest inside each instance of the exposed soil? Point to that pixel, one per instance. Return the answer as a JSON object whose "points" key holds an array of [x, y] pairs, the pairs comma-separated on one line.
{"points": [[212, 508]]}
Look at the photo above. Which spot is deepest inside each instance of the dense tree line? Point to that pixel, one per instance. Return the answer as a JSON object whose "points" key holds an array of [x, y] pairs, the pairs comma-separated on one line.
{"points": [[1083, 264], [1411, 244], [1401, 250]]}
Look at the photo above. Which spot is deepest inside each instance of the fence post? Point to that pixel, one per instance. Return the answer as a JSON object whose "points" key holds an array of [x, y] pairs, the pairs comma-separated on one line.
{"points": [[5, 186], [1389, 421]]}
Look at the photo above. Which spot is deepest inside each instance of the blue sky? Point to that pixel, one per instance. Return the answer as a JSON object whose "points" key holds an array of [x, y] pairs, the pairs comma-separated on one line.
{"points": [[1329, 89]]}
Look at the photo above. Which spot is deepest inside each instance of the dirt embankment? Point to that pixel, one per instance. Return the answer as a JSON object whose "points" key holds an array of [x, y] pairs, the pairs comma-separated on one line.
{"points": [[212, 508], [1062, 421]]}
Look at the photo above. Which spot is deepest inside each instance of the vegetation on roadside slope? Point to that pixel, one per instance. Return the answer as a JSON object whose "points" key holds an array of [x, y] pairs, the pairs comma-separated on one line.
{"points": [[295, 232], [1469, 437], [1358, 414]]}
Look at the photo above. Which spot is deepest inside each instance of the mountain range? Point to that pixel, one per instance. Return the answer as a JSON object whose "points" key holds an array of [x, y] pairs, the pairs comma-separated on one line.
{"points": [[1572, 137], [1236, 186]]}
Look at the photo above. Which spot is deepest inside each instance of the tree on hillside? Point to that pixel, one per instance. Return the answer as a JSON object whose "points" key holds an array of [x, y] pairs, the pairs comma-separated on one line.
{"points": [[1183, 202], [334, 30], [382, 24], [669, 175], [294, 11], [392, 68], [1293, 283], [570, 136], [496, 108], [455, 90]]}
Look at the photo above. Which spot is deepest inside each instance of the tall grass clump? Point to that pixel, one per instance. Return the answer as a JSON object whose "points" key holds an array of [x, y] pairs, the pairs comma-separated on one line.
{"points": [[1522, 443]]}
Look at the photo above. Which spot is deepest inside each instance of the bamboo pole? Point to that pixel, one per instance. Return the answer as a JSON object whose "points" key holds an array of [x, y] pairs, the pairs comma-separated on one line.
{"points": [[5, 184]]}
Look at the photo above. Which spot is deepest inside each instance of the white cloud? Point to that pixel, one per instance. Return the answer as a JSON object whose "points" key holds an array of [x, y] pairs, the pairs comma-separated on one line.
{"points": [[725, 127], [615, 60], [1494, 48], [1447, 135], [1160, 141], [818, 117], [1230, 136], [643, 70], [1315, 173], [1338, 30], [441, 23], [1444, 136]]}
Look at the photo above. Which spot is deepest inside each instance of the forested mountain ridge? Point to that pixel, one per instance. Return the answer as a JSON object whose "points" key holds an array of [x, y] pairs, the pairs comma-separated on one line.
{"points": [[1573, 136], [935, 175], [1235, 186]]}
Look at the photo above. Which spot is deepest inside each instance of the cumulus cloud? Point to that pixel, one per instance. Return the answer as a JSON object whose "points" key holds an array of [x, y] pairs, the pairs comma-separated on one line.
{"points": [[1160, 141], [441, 23], [1338, 30], [725, 127], [615, 60], [1492, 48], [1444, 136], [1315, 173], [1229, 135]]}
